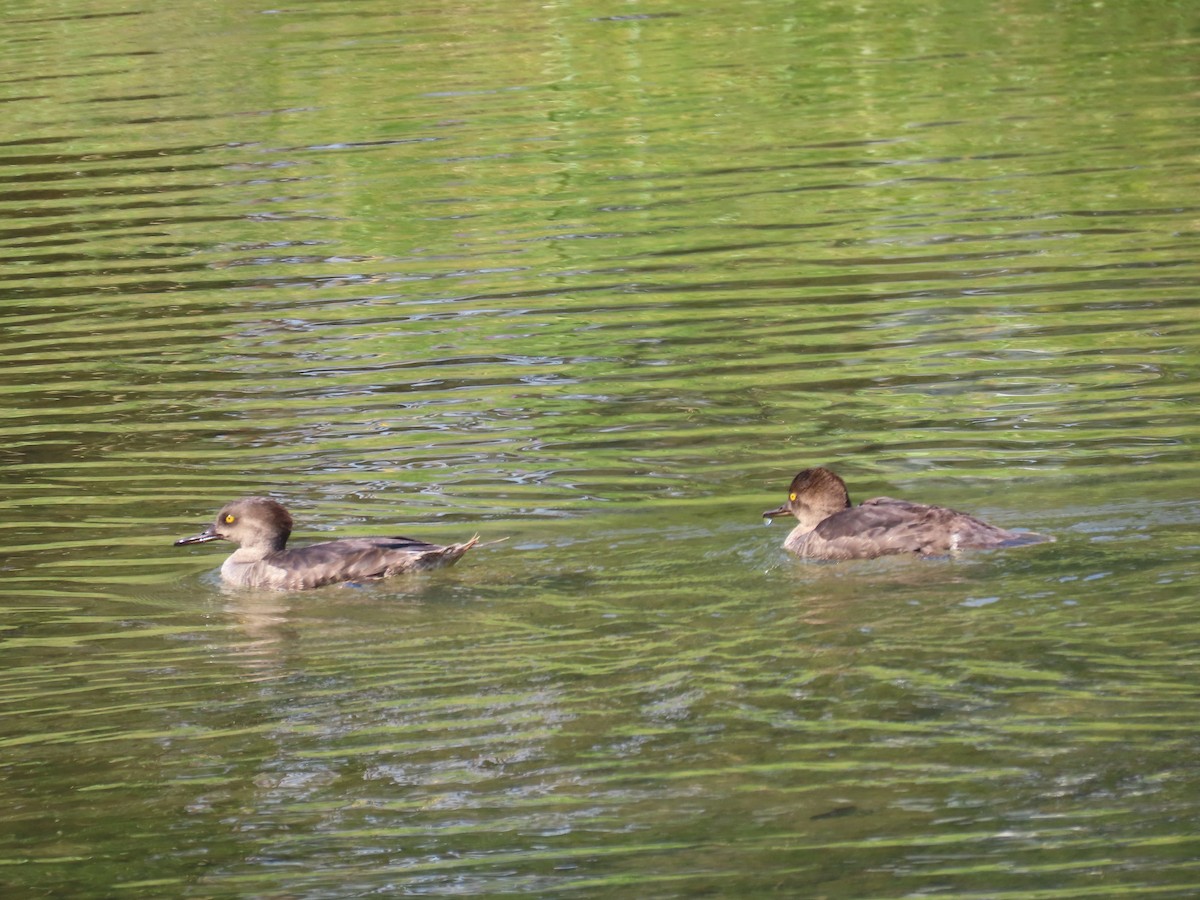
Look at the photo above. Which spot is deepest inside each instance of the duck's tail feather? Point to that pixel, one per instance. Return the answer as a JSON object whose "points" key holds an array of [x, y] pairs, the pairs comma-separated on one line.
{"points": [[1025, 538], [449, 555]]}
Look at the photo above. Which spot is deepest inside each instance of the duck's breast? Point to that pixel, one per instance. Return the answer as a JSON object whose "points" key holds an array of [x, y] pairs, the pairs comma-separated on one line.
{"points": [[253, 574]]}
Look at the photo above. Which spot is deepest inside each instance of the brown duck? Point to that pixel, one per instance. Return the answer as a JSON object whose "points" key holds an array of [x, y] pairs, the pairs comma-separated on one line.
{"points": [[830, 528], [260, 527]]}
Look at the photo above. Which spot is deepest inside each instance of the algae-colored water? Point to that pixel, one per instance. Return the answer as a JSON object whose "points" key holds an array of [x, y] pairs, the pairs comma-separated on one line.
{"points": [[599, 278]]}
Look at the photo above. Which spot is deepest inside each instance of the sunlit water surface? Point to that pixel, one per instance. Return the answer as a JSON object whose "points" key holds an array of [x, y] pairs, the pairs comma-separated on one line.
{"points": [[599, 279]]}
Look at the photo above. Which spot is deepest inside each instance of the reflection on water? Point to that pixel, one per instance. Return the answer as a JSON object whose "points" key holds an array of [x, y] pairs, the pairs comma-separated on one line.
{"points": [[600, 282]]}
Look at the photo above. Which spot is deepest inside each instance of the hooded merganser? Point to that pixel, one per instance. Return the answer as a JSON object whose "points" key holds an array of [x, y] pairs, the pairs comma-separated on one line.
{"points": [[830, 528], [260, 527]]}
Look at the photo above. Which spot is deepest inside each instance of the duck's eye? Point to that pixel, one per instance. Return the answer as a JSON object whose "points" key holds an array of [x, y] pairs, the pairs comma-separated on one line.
{"points": [[230, 518], [791, 496]]}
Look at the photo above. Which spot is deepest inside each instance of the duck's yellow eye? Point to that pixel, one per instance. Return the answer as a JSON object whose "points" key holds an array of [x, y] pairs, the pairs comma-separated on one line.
{"points": [[792, 495], [229, 517]]}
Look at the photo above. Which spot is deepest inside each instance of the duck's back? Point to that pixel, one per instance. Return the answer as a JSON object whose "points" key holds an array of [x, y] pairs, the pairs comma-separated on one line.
{"points": [[883, 526], [330, 562]]}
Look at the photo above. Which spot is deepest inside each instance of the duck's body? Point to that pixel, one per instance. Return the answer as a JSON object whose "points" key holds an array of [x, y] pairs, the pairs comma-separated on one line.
{"points": [[261, 527], [831, 528]]}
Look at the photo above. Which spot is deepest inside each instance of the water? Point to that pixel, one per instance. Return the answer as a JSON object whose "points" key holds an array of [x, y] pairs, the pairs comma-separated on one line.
{"points": [[599, 279]]}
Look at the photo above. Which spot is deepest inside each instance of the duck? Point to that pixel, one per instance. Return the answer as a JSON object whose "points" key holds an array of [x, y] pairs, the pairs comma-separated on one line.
{"points": [[829, 527], [261, 526]]}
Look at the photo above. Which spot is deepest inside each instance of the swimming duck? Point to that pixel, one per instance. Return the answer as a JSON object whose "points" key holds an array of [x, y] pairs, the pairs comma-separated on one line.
{"points": [[830, 528], [260, 527]]}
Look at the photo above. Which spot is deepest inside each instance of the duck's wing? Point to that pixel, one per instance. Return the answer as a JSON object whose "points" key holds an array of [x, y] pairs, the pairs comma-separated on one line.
{"points": [[361, 559], [883, 525], [403, 554], [899, 526]]}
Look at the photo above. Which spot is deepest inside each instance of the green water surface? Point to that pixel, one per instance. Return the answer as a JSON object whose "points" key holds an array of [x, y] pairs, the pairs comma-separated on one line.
{"points": [[598, 278]]}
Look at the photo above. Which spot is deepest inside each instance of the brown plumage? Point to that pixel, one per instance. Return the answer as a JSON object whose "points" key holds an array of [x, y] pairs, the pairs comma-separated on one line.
{"points": [[260, 527], [831, 528]]}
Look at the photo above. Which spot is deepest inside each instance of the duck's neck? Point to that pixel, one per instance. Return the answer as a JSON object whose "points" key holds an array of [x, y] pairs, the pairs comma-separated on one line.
{"points": [[259, 550], [810, 515]]}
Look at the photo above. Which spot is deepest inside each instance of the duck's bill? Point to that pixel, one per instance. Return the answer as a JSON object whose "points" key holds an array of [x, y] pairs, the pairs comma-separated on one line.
{"points": [[775, 513], [202, 538]]}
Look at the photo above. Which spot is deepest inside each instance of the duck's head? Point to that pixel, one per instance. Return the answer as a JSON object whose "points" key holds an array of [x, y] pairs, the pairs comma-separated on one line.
{"points": [[255, 522], [814, 495]]}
